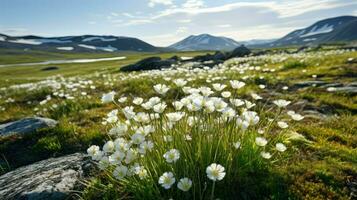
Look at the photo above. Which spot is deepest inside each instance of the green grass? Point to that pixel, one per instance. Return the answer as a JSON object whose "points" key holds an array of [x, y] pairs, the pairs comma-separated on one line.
{"points": [[319, 169]]}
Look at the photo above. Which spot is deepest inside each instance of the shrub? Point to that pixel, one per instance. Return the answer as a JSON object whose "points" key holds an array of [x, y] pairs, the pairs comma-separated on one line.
{"points": [[197, 147], [294, 64]]}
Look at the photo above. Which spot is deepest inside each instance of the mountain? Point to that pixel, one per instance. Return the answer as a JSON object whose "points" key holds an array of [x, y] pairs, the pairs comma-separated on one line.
{"points": [[256, 42], [337, 29], [84, 43], [205, 42]]}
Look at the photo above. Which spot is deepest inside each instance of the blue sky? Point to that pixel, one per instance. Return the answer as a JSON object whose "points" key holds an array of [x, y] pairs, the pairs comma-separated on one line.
{"points": [[163, 22]]}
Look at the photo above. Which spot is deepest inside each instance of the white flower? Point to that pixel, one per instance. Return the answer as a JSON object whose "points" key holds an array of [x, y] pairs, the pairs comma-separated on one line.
{"points": [[251, 117], [119, 129], [220, 105], [205, 91], [145, 146], [109, 147], [141, 172], [242, 123], [175, 117], [129, 112], [260, 141], [137, 138], [147, 105], [161, 89], [154, 100], [280, 147], [249, 104], [122, 99], [180, 82], [281, 103], [237, 102], [172, 156], [295, 116], [138, 101], [256, 96], [184, 184], [160, 107], [236, 84], [121, 145], [167, 180], [218, 87], [226, 94], [228, 113], [215, 172], [117, 157], [142, 117], [283, 125], [109, 97], [265, 155], [131, 155], [120, 172], [92, 150], [236, 145], [178, 105]]}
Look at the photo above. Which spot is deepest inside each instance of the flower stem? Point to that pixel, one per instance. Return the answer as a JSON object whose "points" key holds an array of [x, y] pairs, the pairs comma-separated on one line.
{"points": [[212, 192]]}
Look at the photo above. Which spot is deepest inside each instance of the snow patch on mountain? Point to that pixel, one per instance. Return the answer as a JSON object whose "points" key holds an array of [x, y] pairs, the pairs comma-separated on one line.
{"points": [[107, 48], [39, 41], [315, 30], [99, 38], [65, 48]]}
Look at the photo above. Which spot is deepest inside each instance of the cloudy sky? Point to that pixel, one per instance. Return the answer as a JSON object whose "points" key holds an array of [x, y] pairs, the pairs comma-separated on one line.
{"points": [[163, 22]]}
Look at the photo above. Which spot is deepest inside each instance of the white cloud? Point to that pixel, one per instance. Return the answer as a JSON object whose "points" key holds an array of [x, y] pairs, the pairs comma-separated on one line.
{"points": [[224, 26], [193, 4], [182, 29], [184, 21], [153, 3], [283, 9]]}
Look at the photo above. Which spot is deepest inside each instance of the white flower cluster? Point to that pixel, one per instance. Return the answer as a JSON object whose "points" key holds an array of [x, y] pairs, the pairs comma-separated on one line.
{"points": [[152, 120]]}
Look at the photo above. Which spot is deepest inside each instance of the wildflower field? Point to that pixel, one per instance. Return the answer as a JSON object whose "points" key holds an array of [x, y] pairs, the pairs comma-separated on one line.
{"points": [[272, 126]]}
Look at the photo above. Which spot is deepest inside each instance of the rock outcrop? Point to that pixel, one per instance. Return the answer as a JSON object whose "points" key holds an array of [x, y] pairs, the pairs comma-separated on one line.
{"points": [[150, 63], [26, 125], [54, 178]]}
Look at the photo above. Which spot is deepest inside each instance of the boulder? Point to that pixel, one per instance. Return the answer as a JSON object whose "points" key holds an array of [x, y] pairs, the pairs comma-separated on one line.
{"points": [[332, 85], [345, 89], [150, 63], [26, 125], [352, 84], [309, 84], [54, 178], [50, 68], [240, 51]]}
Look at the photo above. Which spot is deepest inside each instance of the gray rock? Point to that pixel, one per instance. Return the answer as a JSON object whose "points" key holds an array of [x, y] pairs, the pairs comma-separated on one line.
{"points": [[313, 114], [26, 125], [240, 51], [309, 84], [352, 84], [151, 63], [332, 85], [54, 178], [346, 89]]}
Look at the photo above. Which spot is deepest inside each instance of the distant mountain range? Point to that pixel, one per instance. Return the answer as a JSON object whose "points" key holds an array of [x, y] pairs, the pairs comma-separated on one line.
{"points": [[338, 29], [205, 42], [84, 43]]}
